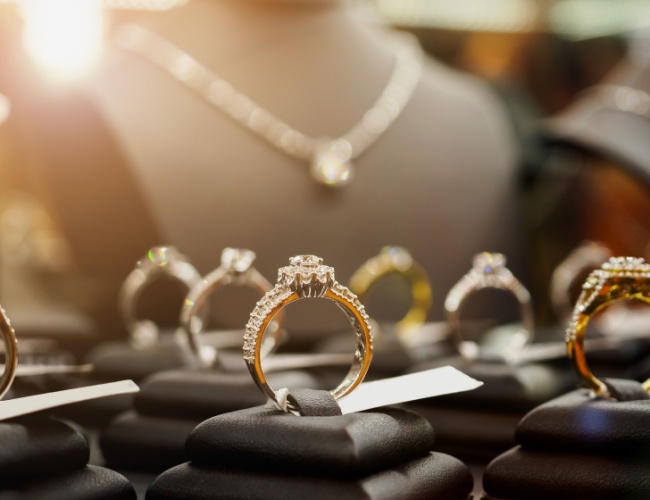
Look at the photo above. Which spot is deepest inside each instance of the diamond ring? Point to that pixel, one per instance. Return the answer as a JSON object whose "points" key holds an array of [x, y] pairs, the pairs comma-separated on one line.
{"points": [[397, 260], [620, 278], [236, 268], [159, 261], [588, 256], [307, 277], [11, 353], [489, 271]]}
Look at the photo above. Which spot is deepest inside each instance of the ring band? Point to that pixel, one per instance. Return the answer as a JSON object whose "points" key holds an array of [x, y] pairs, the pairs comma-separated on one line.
{"points": [[11, 353], [236, 268], [160, 260], [588, 256], [307, 277], [620, 278], [397, 260], [489, 271]]}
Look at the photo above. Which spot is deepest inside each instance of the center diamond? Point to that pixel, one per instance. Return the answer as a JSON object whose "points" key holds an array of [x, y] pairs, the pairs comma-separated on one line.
{"points": [[237, 259], [489, 263], [306, 275], [306, 261]]}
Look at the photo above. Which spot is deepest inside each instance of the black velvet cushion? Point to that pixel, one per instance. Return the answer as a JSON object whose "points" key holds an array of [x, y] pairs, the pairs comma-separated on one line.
{"points": [[138, 442], [514, 388], [119, 360], [536, 475], [39, 446], [471, 434], [578, 423], [86, 483], [578, 446], [434, 476], [352, 445]]}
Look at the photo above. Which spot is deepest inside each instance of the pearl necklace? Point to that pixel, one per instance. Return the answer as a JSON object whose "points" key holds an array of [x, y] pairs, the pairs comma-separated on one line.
{"points": [[330, 159]]}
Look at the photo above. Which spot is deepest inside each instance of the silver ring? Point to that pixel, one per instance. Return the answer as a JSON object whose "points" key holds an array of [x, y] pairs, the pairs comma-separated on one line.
{"points": [[236, 268], [160, 260], [489, 271], [590, 255]]}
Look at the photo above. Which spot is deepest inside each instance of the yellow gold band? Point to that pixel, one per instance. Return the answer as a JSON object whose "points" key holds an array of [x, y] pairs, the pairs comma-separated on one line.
{"points": [[621, 278], [397, 260]]}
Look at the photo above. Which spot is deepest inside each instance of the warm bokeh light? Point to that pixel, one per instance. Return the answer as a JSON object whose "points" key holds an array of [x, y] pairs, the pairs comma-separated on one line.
{"points": [[5, 108], [64, 37]]}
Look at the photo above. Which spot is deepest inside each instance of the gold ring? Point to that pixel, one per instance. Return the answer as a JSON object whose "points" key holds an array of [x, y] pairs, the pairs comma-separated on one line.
{"points": [[160, 260], [307, 277], [620, 278], [397, 260], [236, 268], [11, 353], [489, 271]]}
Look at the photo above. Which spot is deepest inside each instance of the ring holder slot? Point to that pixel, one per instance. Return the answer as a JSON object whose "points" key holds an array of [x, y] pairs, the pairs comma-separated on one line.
{"points": [[590, 443], [266, 453], [299, 443], [578, 446]]}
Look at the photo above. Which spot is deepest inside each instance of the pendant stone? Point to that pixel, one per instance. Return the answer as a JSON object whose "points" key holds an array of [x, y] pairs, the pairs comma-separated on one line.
{"points": [[331, 164]]}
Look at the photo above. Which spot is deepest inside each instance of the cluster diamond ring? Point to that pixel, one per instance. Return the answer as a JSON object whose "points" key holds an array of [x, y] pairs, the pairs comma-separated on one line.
{"points": [[489, 271], [397, 260], [588, 256], [236, 268], [11, 353], [159, 261], [620, 278], [307, 277]]}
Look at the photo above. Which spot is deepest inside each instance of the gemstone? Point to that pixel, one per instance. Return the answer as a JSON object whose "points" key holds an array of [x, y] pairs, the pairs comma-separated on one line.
{"points": [[306, 261], [331, 165], [161, 256], [489, 263], [237, 259]]}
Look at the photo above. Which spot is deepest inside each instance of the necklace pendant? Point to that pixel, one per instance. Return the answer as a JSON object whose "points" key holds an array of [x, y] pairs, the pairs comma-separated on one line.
{"points": [[331, 164]]}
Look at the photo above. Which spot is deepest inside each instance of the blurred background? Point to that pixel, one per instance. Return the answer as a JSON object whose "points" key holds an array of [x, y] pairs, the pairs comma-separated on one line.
{"points": [[537, 55]]}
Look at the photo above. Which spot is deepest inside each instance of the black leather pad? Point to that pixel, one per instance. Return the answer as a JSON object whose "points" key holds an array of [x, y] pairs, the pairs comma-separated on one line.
{"points": [[535, 475], [203, 394], [87, 483], [432, 476], [470, 434], [506, 387], [42, 446], [138, 442], [352, 445], [576, 422], [119, 360]]}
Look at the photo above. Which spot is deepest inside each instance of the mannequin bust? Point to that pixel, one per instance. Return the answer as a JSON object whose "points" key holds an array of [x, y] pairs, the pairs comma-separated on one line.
{"points": [[440, 181]]}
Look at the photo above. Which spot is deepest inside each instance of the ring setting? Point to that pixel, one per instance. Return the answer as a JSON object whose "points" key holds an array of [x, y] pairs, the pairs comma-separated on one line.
{"points": [[236, 268], [489, 271], [159, 260], [620, 278]]}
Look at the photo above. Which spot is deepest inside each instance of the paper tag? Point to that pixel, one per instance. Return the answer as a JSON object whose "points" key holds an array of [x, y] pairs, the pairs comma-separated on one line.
{"points": [[32, 404], [390, 391]]}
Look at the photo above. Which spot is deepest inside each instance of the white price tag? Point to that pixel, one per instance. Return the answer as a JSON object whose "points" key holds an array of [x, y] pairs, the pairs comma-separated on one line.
{"points": [[396, 390], [32, 404]]}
